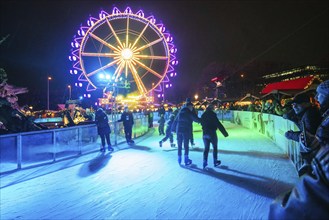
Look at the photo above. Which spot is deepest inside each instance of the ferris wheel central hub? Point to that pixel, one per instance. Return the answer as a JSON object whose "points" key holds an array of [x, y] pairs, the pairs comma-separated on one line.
{"points": [[126, 54]]}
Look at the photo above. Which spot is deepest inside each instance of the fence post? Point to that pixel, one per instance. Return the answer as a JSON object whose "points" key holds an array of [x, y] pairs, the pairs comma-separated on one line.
{"points": [[19, 151], [79, 140], [54, 145]]}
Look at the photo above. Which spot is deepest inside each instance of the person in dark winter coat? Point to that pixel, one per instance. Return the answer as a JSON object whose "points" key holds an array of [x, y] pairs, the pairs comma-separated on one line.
{"points": [[309, 199], [307, 118], [196, 114], [161, 111], [128, 122], [150, 118], [183, 128], [161, 122], [103, 129], [210, 124], [322, 133], [169, 134]]}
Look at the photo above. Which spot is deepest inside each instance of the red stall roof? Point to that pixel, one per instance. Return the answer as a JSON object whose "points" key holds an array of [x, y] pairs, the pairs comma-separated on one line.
{"points": [[295, 84]]}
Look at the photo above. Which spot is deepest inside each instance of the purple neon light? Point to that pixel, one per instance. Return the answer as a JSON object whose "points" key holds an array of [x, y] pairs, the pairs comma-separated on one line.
{"points": [[103, 14]]}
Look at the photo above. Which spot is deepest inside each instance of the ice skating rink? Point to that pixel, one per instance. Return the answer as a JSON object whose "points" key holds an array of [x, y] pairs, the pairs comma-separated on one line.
{"points": [[145, 182]]}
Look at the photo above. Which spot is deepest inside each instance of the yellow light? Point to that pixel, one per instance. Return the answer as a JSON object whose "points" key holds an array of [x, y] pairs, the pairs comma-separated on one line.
{"points": [[126, 54]]}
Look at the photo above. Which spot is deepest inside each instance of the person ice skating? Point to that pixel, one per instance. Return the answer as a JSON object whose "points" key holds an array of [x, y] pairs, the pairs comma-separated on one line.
{"points": [[210, 124], [150, 118], [183, 126], [169, 134], [103, 129], [161, 122], [161, 111], [128, 122], [196, 114], [192, 136]]}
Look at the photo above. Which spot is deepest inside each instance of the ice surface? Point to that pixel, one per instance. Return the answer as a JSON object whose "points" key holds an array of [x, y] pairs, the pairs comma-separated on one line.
{"points": [[145, 182]]}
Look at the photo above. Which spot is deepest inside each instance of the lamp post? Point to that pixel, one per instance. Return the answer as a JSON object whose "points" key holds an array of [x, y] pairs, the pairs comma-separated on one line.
{"points": [[49, 78], [70, 90]]}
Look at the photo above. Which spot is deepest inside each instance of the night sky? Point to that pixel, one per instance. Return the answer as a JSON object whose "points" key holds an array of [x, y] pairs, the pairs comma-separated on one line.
{"points": [[292, 33]]}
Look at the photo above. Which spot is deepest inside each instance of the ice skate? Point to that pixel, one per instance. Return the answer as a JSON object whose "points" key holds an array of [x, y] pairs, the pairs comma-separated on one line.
{"points": [[205, 164], [102, 149], [187, 161], [173, 145], [179, 160], [160, 143], [110, 148], [217, 163]]}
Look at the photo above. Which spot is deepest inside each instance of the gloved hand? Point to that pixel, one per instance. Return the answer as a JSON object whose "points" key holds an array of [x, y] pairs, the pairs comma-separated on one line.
{"points": [[289, 134]]}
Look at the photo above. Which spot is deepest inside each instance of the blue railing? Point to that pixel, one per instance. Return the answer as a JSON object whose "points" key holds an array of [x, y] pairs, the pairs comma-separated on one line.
{"points": [[27, 149]]}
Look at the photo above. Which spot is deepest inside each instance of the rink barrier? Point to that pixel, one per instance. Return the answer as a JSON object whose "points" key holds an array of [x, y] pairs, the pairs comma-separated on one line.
{"points": [[29, 149], [48, 146], [271, 126]]}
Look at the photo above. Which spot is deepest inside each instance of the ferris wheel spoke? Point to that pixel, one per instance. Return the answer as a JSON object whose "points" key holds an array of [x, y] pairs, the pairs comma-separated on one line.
{"points": [[115, 35], [126, 69], [115, 73], [139, 83], [99, 54], [103, 42], [151, 57], [118, 71], [127, 33], [148, 69], [103, 67], [140, 35], [148, 45]]}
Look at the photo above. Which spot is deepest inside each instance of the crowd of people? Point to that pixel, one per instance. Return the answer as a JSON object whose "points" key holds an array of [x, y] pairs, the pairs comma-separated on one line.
{"points": [[309, 199]]}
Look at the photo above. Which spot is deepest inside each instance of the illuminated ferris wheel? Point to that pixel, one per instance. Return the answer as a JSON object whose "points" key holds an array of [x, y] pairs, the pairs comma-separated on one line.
{"points": [[123, 47]]}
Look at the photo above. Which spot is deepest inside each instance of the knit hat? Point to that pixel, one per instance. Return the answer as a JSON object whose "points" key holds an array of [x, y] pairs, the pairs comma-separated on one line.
{"points": [[323, 88]]}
